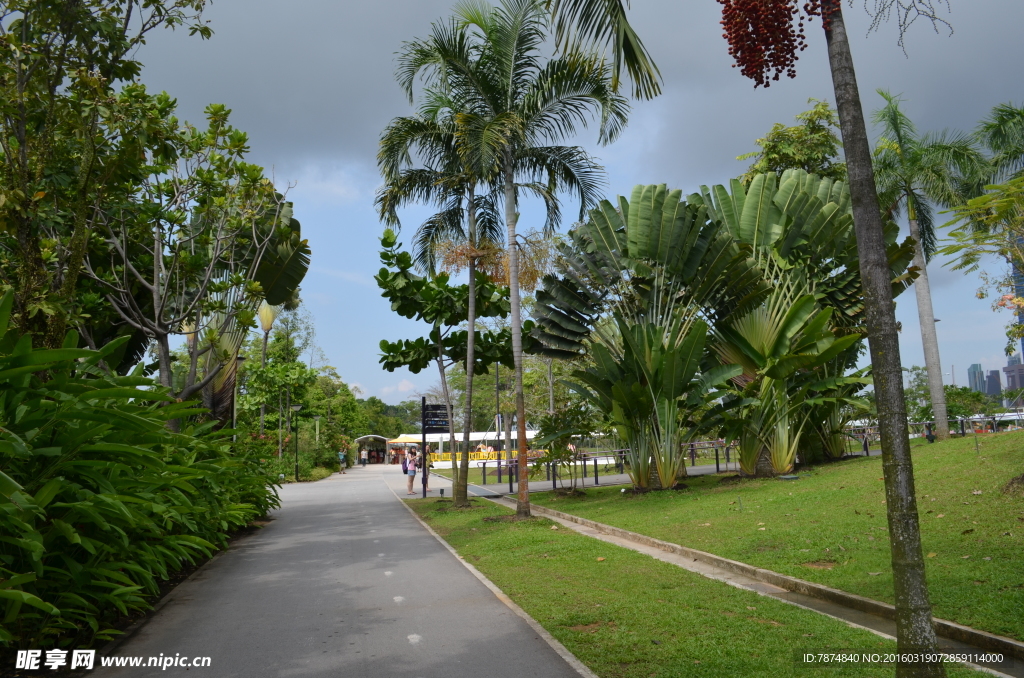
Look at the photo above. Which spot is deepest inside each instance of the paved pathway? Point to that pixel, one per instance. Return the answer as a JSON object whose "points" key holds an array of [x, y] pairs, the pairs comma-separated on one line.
{"points": [[344, 582]]}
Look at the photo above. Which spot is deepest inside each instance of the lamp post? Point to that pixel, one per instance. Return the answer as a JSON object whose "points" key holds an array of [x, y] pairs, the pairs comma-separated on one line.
{"points": [[295, 429], [316, 418], [234, 398]]}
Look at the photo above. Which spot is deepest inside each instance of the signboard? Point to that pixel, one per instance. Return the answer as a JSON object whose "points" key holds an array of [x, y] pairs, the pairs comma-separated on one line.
{"points": [[435, 419]]}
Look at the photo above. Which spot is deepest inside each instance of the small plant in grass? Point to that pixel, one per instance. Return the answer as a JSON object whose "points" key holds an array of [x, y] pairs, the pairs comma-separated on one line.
{"points": [[560, 432]]}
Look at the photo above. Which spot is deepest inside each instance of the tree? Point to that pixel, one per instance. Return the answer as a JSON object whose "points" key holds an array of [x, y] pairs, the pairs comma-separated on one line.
{"points": [[204, 237], [445, 307], [812, 146], [450, 181], [514, 101], [912, 173], [69, 142], [765, 43]]}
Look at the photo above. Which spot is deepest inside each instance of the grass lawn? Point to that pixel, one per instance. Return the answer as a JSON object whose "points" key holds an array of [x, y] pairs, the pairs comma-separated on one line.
{"points": [[626, 615], [830, 525]]}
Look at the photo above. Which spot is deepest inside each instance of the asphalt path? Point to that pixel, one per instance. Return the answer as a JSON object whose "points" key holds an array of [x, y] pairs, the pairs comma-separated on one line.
{"points": [[343, 582]]}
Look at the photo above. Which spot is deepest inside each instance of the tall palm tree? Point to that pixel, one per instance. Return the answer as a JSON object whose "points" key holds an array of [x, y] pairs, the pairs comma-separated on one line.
{"points": [[448, 181], [516, 102], [1002, 133], [912, 173]]}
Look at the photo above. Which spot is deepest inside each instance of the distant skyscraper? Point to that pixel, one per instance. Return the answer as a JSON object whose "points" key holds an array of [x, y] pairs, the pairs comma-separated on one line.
{"points": [[976, 378], [994, 387], [1014, 373]]}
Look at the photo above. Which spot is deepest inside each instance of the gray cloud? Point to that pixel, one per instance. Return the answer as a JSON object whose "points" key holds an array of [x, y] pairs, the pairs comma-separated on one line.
{"points": [[312, 82]]}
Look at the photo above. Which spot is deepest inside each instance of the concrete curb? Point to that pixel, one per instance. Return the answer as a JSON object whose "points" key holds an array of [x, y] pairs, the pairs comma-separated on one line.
{"points": [[946, 629], [560, 649]]}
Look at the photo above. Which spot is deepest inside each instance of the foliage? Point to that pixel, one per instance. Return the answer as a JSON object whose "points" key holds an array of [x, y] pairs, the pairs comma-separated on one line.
{"points": [[100, 501], [633, 286], [812, 146], [71, 145], [773, 268], [559, 436]]}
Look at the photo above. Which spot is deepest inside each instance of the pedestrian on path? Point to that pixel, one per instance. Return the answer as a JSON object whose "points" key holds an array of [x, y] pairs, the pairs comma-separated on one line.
{"points": [[411, 462], [362, 456]]}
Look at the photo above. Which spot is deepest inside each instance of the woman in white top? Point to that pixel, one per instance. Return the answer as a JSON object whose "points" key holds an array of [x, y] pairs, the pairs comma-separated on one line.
{"points": [[411, 462]]}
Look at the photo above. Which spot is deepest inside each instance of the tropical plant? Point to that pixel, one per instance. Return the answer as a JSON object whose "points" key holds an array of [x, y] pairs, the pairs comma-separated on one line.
{"points": [[1002, 133], [636, 284], [812, 146], [512, 102], [913, 172], [99, 502], [798, 344]]}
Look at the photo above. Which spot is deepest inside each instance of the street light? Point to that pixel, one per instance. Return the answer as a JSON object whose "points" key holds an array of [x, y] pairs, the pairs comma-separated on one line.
{"points": [[295, 409], [234, 398], [316, 418]]}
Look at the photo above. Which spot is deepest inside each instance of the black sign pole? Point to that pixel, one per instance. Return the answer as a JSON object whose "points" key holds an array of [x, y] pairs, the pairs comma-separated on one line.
{"points": [[423, 448]]}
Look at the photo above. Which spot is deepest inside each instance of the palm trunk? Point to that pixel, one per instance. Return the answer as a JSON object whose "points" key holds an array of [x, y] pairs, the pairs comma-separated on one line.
{"points": [[551, 385], [446, 394], [462, 477], [914, 631], [511, 217], [929, 337]]}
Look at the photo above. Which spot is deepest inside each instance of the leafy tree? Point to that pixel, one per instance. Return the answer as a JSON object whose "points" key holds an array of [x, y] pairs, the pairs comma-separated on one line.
{"points": [[812, 146], [206, 238], [445, 307], [914, 172], [69, 141]]}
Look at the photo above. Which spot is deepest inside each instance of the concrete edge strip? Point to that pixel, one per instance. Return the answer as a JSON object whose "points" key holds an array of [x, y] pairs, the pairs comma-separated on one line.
{"points": [[560, 649], [983, 669], [948, 629]]}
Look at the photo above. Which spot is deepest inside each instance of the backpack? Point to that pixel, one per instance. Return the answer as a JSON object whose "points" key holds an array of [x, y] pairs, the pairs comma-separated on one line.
{"points": [[405, 466]]}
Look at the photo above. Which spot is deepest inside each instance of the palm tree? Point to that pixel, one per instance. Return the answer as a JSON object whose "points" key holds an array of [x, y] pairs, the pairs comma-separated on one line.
{"points": [[914, 172], [514, 102], [1002, 133], [449, 182]]}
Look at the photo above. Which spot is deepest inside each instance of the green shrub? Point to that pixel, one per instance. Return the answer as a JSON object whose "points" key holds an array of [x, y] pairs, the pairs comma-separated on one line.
{"points": [[99, 500]]}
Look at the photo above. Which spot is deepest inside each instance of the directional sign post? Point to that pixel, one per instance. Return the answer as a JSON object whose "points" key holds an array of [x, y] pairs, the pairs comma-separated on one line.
{"points": [[433, 419]]}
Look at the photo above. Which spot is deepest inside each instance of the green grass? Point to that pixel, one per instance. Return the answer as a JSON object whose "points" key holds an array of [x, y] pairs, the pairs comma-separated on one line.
{"points": [[834, 517], [631, 616]]}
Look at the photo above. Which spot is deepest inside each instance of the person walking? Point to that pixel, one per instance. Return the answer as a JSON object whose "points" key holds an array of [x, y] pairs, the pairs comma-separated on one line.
{"points": [[411, 462], [362, 456]]}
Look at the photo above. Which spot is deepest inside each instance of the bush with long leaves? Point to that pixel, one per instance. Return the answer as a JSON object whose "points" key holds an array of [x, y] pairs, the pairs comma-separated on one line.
{"points": [[99, 501]]}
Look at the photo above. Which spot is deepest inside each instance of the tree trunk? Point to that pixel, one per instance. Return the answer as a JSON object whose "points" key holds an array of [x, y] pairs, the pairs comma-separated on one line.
{"points": [[914, 631], [280, 438], [511, 217], [461, 478], [929, 337], [551, 386]]}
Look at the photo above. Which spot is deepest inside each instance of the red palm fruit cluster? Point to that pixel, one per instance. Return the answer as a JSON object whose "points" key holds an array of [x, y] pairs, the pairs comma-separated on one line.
{"points": [[765, 36]]}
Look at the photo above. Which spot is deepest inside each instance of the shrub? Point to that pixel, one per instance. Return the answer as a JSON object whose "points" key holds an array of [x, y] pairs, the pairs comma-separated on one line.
{"points": [[99, 501]]}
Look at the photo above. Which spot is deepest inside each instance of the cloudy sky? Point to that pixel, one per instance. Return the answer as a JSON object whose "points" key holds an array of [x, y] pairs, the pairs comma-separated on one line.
{"points": [[312, 83]]}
